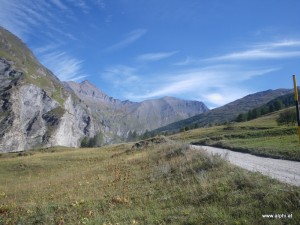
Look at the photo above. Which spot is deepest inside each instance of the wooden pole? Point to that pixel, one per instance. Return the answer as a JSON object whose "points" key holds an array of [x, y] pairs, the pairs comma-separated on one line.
{"points": [[297, 103]]}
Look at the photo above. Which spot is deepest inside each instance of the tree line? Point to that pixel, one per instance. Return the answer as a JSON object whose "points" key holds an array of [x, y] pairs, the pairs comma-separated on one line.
{"points": [[274, 105]]}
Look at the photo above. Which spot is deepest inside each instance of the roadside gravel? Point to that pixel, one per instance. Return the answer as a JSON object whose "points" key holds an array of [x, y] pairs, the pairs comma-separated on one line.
{"points": [[283, 170]]}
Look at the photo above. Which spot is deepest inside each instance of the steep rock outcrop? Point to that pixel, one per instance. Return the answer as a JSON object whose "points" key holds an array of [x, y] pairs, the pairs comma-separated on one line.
{"points": [[36, 110], [74, 124], [39, 121], [26, 128]]}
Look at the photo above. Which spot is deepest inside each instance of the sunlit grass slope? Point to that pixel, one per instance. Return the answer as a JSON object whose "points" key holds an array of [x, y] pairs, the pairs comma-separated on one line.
{"points": [[156, 182], [261, 136]]}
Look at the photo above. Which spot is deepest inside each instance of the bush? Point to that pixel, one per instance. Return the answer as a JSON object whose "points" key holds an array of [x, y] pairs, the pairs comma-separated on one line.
{"points": [[96, 141], [84, 142], [288, 117]]}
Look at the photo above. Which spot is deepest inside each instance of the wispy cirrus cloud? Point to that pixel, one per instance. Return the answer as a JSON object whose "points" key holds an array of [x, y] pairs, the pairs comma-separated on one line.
{"points": [[149, 57], [279, 44], [216, 85], [215, 77], [22, 17], [25, 18], [129, 38], [256, 54], [272, 50], [260, 51], [120, 75], [219, 84], [42, 19], [62, 64], [59, 4]]}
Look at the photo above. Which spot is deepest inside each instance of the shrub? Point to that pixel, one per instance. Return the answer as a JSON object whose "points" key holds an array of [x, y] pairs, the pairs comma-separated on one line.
{"points": [[96, 141], [288, 117]]}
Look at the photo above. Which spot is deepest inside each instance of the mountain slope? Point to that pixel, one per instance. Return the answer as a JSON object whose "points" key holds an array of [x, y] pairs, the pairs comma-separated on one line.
{"points": [[38, 110], [125, 116], [227, 112]]}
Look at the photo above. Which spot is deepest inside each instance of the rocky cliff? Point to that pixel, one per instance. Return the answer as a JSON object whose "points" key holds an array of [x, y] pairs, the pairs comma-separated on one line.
{"points": [[36, 111]]}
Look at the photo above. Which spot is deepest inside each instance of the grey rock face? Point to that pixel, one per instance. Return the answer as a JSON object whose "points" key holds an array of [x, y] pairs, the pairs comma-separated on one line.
{"points": [[121, 117], [74, 124], [30, 118], [27, 127], [7, 74], [89, 92]]}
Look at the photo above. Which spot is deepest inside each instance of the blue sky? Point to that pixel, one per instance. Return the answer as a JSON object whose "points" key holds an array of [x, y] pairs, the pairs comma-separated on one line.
{"points": [[213, 51]]}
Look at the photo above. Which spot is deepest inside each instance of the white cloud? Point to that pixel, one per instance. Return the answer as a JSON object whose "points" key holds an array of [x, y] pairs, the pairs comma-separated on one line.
{"points": [[223, 96], [46, 48], [24, 18], [63, 65], [256, 54], [259, 51], [128, 39], [283, 43], [155, 56], [210, 83], [120, 75], [272, 50]]}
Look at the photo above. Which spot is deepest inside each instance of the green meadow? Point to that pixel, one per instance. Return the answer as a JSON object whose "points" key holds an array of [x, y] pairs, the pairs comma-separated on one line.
{"points": [[159, 181], [261, 136]]}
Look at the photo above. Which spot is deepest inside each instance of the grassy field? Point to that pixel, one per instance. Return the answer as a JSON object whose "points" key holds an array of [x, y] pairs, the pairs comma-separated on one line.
{"points": [[261, 136], [165, 183]]}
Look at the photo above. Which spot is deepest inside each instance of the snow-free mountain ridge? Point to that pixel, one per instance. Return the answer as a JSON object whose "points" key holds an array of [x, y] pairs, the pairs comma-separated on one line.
{"points": [[38, 110]]}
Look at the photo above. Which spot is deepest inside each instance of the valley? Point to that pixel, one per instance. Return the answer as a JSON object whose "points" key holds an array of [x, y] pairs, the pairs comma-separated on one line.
{"points": [[261, 137], [72, 154], [39, 110]]}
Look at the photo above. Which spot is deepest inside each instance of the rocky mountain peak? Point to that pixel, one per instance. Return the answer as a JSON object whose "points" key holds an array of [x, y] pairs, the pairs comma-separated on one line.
{"points": [[38, 110], [89, 91]]}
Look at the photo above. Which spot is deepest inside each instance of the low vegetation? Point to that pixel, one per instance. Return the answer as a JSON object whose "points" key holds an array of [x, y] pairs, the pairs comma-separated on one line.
{"points": [[156, 181], [96, 141], [276, 104], [273, 135]]}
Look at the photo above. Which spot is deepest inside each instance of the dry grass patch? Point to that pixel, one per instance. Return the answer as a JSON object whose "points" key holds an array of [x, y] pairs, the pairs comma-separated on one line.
{"points": [[163, 183]]}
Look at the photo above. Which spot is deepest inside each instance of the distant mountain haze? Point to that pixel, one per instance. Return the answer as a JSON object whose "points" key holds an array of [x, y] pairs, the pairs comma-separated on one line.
{"points": [[38, 110], [135, 116]]}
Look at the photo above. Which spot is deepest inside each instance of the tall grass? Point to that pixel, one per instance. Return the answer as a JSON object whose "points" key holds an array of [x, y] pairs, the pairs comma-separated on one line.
{"points": [[166, 183]]}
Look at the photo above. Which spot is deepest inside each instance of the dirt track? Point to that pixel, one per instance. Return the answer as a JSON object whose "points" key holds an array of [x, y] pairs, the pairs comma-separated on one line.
{"points": [[283, 170]]}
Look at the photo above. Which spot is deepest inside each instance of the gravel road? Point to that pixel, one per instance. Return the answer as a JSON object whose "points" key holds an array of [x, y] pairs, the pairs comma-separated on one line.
{"points": [[282, 170]]}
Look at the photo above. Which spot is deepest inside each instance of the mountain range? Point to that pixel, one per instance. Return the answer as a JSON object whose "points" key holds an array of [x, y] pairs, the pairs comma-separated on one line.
{"points": [[226, 113], [38, 110]]}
